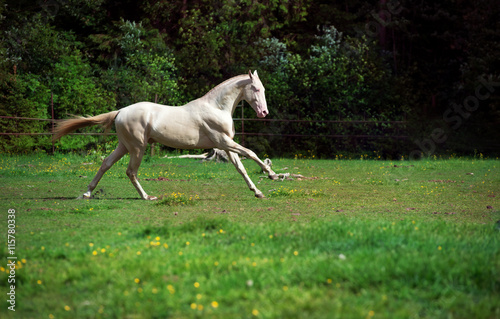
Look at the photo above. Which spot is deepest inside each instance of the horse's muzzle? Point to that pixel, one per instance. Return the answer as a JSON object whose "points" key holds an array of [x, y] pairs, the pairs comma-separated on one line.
{"points": [[262, 113]]}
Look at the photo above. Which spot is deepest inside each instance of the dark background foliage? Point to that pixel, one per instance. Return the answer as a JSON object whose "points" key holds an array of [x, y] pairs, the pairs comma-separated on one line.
{"points": [[433, 65]]}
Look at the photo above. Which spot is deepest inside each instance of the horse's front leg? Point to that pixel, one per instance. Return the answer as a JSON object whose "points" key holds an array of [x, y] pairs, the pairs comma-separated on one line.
{"points": [[233, 157], [229, 145]]}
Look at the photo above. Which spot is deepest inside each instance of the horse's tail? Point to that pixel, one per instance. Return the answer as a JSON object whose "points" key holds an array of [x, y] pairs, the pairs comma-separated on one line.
{"points": [[67, 126]]}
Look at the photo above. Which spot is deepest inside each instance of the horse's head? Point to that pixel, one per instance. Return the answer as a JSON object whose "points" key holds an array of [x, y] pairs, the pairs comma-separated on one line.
{"points": [[254, 94]]}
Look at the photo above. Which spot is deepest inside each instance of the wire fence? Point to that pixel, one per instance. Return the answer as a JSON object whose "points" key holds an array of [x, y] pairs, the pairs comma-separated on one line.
{"points": [[243, 132], [276, 130], [283, 128]]}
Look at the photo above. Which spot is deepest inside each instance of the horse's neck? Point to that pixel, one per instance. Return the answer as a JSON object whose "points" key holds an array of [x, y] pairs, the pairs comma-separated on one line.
{"points": [[228, 95]]}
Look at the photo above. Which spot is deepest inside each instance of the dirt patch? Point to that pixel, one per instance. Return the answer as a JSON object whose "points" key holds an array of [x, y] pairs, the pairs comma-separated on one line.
{"points": [[164, 179], [443, 181], [400, 166], [289, 176]]}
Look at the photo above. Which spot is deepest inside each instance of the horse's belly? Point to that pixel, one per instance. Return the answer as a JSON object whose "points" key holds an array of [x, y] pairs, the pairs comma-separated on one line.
{"points": [[183, 142], [179, 136], [171, 126]]}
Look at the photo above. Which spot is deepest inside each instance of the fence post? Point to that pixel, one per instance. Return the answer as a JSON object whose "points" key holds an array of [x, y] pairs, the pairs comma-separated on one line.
{"points": [[52, 108], [242, 125], [153, 144]]}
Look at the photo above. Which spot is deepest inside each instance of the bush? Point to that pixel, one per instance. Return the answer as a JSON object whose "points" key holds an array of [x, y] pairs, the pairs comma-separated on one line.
{"points": [[143, 68], [76, 90], [23, 96], [341, 79]]}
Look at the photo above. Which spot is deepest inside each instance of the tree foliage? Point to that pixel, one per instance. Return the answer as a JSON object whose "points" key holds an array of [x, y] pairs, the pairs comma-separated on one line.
{"points": [[324, 61]]}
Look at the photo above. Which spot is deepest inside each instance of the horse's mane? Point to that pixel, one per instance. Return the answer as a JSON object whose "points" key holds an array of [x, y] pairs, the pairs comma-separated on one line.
{"points": [[216, 88]]}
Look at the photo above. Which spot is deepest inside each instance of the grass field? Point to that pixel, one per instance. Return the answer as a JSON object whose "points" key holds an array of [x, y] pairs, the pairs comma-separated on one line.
{"points": [[354, 239]]}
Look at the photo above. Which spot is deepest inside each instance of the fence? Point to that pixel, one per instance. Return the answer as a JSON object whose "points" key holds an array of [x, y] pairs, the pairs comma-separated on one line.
{"points": [[277, 133], [281, 129], [52, 122], [244, 133]]}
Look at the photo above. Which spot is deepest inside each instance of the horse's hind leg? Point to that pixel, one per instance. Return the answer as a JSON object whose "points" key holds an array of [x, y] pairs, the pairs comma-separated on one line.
{"points": [[133, 166], [106, 164]]}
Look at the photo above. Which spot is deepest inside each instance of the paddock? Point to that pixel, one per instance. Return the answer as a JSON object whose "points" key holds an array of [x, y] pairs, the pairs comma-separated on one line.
{"points": [[355, 238]]}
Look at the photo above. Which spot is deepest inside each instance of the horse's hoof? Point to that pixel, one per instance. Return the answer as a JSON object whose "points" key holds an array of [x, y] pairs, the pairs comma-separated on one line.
{"points": [[273, 176], [260, 195], [151, 197]]}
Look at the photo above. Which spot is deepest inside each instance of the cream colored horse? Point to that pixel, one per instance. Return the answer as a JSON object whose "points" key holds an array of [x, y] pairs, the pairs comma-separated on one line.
{"points": [[202, 123]]}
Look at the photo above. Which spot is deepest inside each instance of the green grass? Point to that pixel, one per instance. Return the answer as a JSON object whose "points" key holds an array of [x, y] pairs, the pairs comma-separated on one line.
{"points": [[355, 239]]}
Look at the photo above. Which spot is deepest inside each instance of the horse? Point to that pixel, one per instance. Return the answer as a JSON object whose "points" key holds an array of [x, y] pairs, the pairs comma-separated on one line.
{"points": [[203, 123]]}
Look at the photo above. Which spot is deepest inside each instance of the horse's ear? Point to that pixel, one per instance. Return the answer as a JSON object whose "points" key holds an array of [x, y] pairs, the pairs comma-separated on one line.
{"points": [[255, 74], [250, 74]]}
